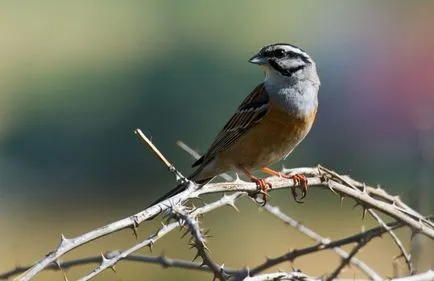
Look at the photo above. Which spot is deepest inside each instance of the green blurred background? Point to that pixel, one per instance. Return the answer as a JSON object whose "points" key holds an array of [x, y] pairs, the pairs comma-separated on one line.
{"points": [[76, 78]]}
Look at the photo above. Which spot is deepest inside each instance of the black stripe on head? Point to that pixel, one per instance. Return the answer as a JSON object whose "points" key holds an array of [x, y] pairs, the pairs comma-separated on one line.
{"points": [[278, 50], [285, 71]]}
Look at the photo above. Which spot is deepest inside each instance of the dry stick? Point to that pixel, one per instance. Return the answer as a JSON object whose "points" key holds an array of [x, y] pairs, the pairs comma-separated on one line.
{"points": [[380, 221], [109, 262], [347, 260], [323, 241], [281, 276], [380, 193], [404, 254], [292, 255], [199, 243], [164, 261], [362, 197], [179, 177]]}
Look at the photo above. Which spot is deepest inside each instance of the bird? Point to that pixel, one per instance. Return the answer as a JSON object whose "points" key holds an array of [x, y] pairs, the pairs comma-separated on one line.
{"points": [[270, 122]]}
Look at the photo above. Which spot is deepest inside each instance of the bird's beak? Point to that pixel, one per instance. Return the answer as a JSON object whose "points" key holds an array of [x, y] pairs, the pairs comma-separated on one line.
{"points": [[258, 59]]}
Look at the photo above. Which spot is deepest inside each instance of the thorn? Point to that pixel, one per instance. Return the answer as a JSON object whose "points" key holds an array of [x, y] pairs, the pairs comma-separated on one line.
{"points": [[206, 248], [134, 229], [341, 199], [355, 205], [63, 238], [113, 268], [234, 207], [364, 190], [364, 209], [104, 259], [63, 241], [207, 234], [196, 256], [184, 234], [237, 179], [58, 264], [331, 189], [150, 245]]}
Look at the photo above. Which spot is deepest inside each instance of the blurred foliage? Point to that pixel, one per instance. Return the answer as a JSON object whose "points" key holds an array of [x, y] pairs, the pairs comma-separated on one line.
{"points": [[78, 77]]}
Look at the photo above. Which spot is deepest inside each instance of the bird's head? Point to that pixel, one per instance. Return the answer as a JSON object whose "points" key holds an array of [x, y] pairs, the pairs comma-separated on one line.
{"points": [[284, 59]]}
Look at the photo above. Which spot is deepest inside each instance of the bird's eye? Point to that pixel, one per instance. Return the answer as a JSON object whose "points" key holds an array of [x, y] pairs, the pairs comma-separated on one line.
{"points": [[279, 53]]}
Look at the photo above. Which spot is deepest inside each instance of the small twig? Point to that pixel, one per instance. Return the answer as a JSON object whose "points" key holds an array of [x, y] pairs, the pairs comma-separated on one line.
{"points": [[424, 276], [164, 261], [199, 243], [347, 260], [323, 241], [179, 177], [109, 262], [282, 276], [379, 193], [292, 255], [395, 238], [404, 254]]}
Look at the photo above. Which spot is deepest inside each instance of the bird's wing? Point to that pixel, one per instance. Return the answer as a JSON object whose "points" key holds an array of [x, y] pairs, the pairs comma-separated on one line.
{"points": [[249, 113]]}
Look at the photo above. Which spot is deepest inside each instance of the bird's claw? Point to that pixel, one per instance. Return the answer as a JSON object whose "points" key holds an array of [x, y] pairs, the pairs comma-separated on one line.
{"points": [[300, 182], [263, 187]]}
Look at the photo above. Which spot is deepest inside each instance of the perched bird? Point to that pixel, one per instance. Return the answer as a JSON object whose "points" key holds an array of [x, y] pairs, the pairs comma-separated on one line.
{"points": [[271, 121]]}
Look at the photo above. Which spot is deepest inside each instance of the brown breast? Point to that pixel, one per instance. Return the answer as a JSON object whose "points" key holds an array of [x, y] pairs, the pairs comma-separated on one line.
{"points": [[273, 138]]}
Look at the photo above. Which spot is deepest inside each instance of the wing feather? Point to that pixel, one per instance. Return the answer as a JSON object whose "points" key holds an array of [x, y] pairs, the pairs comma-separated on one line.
{"points": [[249, 113]]}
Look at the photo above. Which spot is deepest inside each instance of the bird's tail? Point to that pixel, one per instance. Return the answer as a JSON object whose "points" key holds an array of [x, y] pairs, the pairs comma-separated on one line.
{"points": [[178, 189]]}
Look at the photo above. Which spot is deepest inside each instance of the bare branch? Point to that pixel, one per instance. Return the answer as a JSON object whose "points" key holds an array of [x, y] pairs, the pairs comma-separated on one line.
{"points": [[395, 238], [347, 260], [109, 262], [363, 237], [322, 241], [164, 261], [179, 177], [282, 276]]}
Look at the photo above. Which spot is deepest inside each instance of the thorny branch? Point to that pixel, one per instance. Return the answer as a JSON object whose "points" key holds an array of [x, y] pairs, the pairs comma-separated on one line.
{"points": [[322, 241], [369, 198]]}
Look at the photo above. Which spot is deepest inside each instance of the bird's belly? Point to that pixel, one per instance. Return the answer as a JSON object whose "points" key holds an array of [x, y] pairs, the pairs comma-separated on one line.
{"points": [[273, 138]]}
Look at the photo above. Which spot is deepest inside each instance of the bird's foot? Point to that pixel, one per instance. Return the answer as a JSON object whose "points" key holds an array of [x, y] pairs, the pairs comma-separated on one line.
{"points": [[263, 187], [300, 182]]}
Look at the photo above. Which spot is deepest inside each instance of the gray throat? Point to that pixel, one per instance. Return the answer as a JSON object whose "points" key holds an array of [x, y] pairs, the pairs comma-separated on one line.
{"points": [[295, 95]]}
